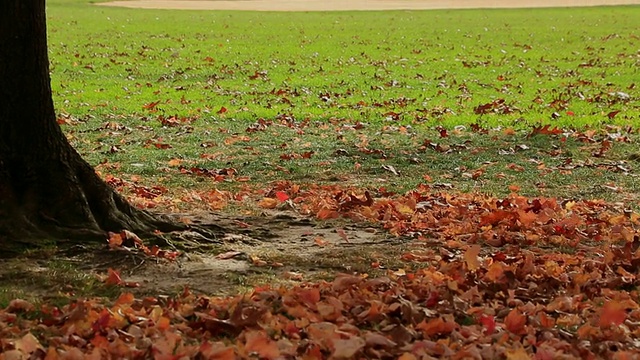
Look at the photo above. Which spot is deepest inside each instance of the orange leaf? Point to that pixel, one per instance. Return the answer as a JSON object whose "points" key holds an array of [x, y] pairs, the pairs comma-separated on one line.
{"points": [[320, 241], [125, 299], [115, 240], [495, 273], [471, 257], [436, 326], [325, 214], [163, 323], [407, 356], [309, 296], [151, 105], [268, 203], [495, 217], [113, 278], [545, 130], [515, 321], [613, 313], [258, 342]]}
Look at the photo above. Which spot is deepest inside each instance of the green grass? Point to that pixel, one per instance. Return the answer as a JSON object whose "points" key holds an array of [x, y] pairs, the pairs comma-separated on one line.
{"points": [[35, 279], [313, 76], [430, 67]]}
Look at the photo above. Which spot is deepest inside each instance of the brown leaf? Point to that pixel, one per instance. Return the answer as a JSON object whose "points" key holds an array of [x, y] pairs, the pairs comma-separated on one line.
{"points": [[545, 130], [342, 235], [151, 105], [28, 344], [375, 339], [348, 348], [19, 305], [344, 281], [613, 114]]}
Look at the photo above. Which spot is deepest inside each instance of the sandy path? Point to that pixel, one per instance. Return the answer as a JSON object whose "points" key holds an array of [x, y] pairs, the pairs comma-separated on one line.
{"points": [[328, 5]]}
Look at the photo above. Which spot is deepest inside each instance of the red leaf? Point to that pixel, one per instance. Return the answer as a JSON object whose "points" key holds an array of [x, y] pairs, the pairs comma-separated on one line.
{"points": [[489, 323], [282, 196]]}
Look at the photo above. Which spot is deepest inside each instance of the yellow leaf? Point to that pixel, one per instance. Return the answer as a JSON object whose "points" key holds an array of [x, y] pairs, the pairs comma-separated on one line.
{"points": [[404, 209], [517, 354], [175, 162]]}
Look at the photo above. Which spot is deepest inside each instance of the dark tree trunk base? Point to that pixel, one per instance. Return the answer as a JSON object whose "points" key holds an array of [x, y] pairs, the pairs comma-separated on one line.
{"points": [[64, 199], [47, 191]]}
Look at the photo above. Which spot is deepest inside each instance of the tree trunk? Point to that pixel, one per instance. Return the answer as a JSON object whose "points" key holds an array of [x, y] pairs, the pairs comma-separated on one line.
{"points": [[47, 191]]}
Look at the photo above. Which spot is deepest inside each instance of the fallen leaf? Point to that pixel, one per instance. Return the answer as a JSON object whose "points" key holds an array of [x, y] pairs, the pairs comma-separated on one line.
{"points": [[471, 257], [347, 348], [268, 203], [391, 169], [113, 277], [228, 255], [343, 234], [515, 321], [263, 346]]}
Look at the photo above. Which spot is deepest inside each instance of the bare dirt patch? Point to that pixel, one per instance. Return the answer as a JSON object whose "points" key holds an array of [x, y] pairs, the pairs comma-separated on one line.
{"points": [[279, 248], [276, 249], [341, 5]]}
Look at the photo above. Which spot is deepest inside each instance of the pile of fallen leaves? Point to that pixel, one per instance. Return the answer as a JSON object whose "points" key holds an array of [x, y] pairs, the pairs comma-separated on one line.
{"points": [[511, 304], [511, 278], [467, 217]]}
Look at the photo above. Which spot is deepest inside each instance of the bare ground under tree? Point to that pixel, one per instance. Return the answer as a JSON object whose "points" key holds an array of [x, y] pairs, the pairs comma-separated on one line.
{"points": [[277, 248]]}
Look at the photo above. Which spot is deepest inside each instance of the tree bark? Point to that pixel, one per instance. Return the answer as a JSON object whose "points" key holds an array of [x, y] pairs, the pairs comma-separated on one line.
{"points": [[47, 191]]}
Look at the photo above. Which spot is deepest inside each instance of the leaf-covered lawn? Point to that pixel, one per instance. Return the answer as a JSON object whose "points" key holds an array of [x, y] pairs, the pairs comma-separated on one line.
{"points": [[511, 278], [495, 151]]}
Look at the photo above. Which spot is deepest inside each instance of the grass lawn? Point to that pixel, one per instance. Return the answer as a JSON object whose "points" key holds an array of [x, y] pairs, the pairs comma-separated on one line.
{"points": [[446, 97]]}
